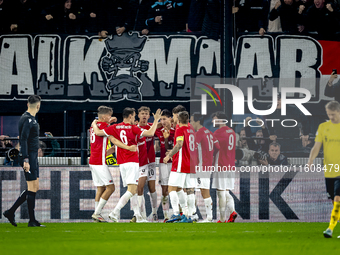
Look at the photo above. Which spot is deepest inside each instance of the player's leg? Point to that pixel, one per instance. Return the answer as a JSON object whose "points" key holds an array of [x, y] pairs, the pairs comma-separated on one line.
{"points": [[108, 190], [129, 173], [207, 203], [143, 175], [99, 193], [152, 190], [32, 188], [164, 172], [230, 182], [176, 194], [335, 182], [10, 213], [219, 183]]}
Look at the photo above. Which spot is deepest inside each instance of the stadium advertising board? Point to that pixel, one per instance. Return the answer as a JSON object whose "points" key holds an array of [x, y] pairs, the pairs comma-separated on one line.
{"points": [[67, 195]]}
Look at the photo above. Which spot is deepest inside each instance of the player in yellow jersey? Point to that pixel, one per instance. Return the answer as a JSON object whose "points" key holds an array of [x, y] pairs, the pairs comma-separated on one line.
{"points": [[328, 135]]}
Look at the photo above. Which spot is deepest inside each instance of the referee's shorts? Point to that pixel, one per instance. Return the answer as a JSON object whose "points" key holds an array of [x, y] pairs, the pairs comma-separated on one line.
{"points": [[34, 167], [333, 187]]}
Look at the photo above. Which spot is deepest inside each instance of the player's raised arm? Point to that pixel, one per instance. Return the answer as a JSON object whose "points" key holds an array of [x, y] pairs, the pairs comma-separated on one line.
{"points": [[122, 145], [152, 130], [96, 129], [314, 153]]}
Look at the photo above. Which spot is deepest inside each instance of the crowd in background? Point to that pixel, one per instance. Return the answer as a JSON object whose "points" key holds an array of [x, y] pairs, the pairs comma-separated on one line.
{"points": [[163, 16]]}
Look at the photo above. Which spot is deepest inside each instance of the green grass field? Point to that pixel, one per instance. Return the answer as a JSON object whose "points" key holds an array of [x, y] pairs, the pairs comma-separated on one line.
{"points": [[126, 238]]}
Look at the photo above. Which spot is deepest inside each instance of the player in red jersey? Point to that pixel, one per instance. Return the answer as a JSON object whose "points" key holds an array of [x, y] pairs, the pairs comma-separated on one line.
{"points": [[205, 148], [180, 172], [128, 161], [147, 165], [166, 135], [223, 176], [101, 175]]}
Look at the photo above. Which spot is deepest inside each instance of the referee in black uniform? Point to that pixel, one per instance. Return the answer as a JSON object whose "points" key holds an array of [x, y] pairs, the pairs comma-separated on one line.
{"points": [[29, 142]]}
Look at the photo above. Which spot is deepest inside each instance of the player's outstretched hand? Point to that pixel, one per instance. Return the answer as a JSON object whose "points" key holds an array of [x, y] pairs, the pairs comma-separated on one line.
{"points": [[94, 123], [157, 115], [133, 148]]}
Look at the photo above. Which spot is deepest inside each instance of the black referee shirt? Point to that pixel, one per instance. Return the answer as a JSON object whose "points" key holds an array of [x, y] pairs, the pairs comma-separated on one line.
{"points": [[28, 134]]}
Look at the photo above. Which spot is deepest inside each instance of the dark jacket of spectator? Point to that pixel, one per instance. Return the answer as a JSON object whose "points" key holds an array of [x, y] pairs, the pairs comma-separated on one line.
{"points": [[322, 20], [138, 14], [5, 16], [333, 91], [289, 16], [196, 15], [281, 160], [291, 134], [61, 22], [212, 20], [25, 15], [252, 15], [255, 146], [170, 12], [114, 14]]}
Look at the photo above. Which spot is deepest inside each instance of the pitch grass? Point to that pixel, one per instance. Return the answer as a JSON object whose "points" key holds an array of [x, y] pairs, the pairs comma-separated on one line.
{"points": [[126, 238]]}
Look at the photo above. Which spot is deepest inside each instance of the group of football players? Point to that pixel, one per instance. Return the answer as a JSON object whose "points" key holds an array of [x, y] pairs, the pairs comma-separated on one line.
{"points": [[190, 155]]}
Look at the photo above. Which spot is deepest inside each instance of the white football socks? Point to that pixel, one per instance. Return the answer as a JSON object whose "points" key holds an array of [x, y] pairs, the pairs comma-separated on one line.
{"points": [[174, 202], [222, 203], [191, 204], [96, 204], [165, 205], [154, 204], [182, 197], [122, 202], [101, 204], [208, 207], [230, 203]]}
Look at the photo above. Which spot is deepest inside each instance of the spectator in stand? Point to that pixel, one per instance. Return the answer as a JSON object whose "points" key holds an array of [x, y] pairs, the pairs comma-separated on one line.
{"points": [[61, 18], [240, 142], [163, 16], [138, 15], [114, 18], [274, 26], [324, 18], [89, 15], [274, 156], [289, 134], [196, 15], [291, 20], [333, 90], [43, 147], [24, 16], [255, 145], [211, 26], [252, 15], [4, 17]]}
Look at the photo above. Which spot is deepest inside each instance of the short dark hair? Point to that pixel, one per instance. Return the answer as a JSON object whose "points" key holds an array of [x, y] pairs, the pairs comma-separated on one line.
{"points": [[198, 117], [333, 106], [144, 108], [127, 112], [178, 108], [166, 113], [275, 144], [34, 99], [104, 110], [219, 115], [183, 117]]}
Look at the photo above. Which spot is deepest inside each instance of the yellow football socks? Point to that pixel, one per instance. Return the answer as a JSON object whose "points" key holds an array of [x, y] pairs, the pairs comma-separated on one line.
{"points": [[335, 216]]}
